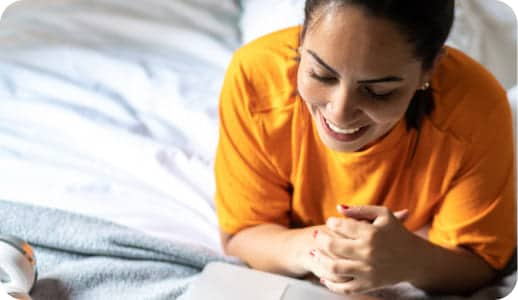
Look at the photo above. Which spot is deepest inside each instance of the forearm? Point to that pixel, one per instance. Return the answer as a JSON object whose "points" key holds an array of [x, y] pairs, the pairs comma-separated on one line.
{"points": [[448, 270], [272, 248]]}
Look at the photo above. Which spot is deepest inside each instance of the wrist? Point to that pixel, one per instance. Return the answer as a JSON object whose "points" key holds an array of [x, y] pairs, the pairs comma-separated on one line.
{"points": [[300, 243]]}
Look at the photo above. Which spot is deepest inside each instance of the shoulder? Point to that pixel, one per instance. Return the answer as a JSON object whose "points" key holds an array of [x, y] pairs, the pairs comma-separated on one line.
{"points": [[269, 66], [260, 90], [466, 96]]}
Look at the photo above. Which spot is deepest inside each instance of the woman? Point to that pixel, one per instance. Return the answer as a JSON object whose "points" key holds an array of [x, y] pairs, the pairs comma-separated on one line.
{"points": [[360, 149]]}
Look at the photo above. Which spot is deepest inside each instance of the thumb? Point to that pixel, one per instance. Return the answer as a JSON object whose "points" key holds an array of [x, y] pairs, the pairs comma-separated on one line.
{"points": [[361, 213], [369, 212], [401, 215]]}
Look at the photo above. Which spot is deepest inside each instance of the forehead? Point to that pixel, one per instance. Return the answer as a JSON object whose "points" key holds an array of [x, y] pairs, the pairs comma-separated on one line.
{"points": [[346, 36]]}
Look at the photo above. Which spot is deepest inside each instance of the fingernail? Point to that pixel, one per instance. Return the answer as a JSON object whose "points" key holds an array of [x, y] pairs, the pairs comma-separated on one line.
{"points": [[344, 207], [323, 281], [312, 252], [315, 233]]}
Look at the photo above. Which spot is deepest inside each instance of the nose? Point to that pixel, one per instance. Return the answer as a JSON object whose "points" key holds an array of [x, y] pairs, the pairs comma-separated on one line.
{"points": [[342, 107]]}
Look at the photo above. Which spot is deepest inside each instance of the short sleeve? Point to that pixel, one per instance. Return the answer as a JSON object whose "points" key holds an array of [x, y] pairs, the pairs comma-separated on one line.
{"points": [[249, 187], [479, 210]]}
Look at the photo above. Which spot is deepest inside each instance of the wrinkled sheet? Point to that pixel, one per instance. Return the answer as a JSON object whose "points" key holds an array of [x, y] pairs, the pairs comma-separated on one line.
{"points": [[109, 108]]}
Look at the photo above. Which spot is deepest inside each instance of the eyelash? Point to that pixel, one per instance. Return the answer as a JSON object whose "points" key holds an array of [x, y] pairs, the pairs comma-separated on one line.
{"points": [[323, 79], [378, 96], [331, 80]]}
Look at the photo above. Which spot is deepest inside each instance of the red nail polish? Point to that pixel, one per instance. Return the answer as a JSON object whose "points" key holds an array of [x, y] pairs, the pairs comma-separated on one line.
{"points": [[315, 233], [344, 207], [312, 252]]}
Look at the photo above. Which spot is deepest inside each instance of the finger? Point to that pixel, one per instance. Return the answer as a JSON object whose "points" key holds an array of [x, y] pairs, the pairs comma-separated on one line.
{"points": [[315, 262], [377, 215], [349, 228], [338, 246], [363, 212], [401, 215], [352, 286], [337, 270]]}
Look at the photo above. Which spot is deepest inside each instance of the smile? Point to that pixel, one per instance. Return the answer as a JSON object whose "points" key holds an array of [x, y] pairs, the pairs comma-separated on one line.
{"points": [[341, 134], [341, 130]]}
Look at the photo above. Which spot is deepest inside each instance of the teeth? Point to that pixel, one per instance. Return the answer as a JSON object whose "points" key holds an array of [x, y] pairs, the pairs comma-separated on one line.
{"points": [[341, 130]]}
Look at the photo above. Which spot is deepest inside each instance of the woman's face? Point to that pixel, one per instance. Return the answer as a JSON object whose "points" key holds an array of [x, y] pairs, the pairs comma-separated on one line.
{"points": [[357, 75]]}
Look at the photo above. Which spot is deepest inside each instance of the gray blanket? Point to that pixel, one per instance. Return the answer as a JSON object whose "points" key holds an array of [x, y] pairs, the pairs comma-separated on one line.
{"points": [[81, 257]]}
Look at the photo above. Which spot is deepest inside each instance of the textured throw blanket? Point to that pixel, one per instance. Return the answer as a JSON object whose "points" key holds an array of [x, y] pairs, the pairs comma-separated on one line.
{"points": [[81, 257]]}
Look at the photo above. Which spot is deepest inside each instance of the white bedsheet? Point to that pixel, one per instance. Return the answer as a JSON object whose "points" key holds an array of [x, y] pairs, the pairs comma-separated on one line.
{"points": [[109, 108]]}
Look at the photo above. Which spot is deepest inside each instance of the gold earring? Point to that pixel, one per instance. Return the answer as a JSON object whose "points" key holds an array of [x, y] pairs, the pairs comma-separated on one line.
{"points": [[425, 86]]}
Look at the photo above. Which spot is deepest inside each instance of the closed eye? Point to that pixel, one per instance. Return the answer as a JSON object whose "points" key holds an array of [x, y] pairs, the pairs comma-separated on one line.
{"points": [[323, 79], [378, 96]]}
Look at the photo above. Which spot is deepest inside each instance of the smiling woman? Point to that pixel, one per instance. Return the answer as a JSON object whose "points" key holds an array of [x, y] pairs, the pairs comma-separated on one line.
{"points": [[343, 138]]}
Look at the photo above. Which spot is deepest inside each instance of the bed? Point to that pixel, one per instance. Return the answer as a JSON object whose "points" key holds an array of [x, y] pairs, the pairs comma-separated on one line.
{"points": [[108, 127]]}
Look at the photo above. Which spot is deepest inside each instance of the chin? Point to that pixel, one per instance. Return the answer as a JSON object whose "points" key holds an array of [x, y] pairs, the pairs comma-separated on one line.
{"points": [[344, 149], [340, 147]]}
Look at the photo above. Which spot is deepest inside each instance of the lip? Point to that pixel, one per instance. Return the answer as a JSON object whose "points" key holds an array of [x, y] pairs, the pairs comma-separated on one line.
{"points": [[341, 136]]}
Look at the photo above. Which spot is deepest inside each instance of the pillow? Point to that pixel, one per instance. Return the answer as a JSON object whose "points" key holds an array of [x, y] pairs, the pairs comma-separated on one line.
{"points": [[260, 17], [485, 30]]}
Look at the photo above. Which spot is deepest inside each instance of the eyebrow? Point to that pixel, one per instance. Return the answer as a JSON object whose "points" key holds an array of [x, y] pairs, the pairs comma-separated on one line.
{"points": [[321, 62], [383, 79], [367, 81]]}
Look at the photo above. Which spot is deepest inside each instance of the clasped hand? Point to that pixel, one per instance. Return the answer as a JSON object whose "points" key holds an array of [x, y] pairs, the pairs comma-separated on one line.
{"points": [[367, 249]]}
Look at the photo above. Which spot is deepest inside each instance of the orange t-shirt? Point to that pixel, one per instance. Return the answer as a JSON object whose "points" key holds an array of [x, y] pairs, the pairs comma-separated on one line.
{"points": [[271, 166]]}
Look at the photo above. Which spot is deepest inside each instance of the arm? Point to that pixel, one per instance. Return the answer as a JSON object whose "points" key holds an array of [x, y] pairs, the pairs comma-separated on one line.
{"points": [[275, 248], [272, 248], [476, 221], [441, 263], [445, 270]]}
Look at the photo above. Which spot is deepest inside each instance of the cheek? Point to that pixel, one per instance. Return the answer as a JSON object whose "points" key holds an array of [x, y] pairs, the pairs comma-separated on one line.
{"points": [[306, 88], [301, 84], [310, 91], [389, 112]]}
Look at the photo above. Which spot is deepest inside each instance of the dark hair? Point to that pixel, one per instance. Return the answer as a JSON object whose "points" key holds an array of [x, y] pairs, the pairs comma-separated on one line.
{"points": [[426, 25]]}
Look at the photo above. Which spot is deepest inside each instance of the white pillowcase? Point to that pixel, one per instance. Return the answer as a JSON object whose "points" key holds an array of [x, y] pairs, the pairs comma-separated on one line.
{"points": [[485, 30], [260, 17]]}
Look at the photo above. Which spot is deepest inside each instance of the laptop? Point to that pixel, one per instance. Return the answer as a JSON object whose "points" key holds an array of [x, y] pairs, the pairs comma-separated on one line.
{"points": [[222, 281]]}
